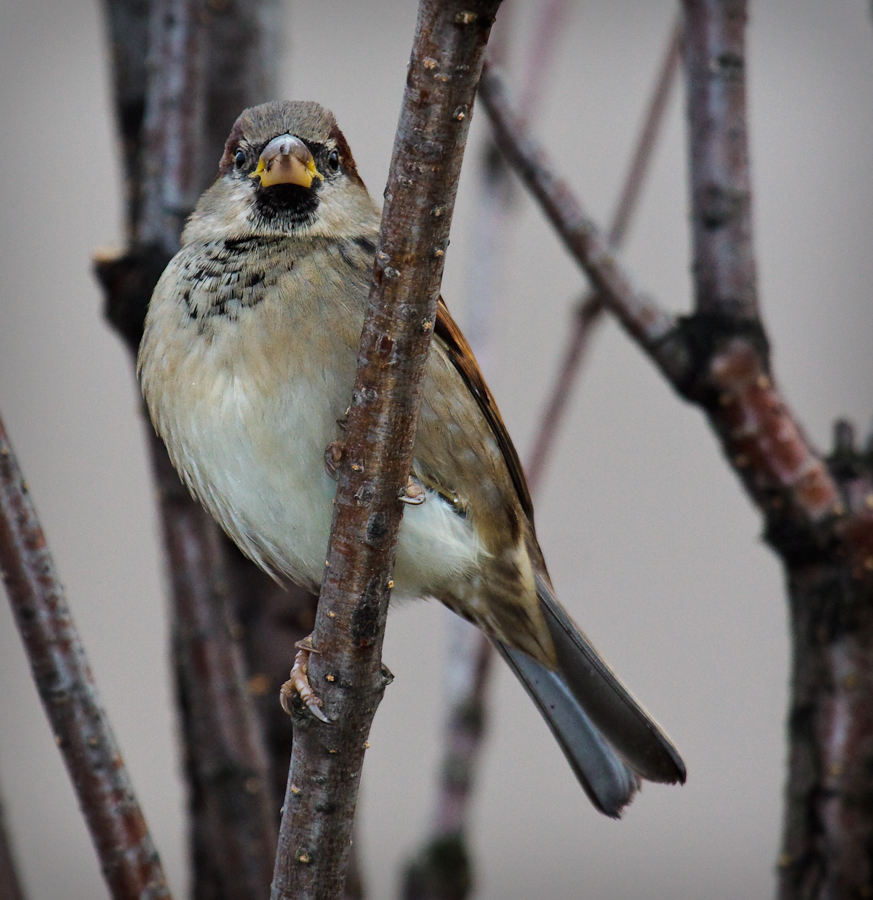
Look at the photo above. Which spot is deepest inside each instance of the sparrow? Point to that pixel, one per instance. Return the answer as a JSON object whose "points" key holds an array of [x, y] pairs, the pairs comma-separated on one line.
{"points": [[247, 365]]}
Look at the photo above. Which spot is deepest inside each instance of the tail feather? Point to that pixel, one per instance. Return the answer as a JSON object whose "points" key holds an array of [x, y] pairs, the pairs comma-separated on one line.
{"points": [[607, 737], [631, 731], [609, 783]]}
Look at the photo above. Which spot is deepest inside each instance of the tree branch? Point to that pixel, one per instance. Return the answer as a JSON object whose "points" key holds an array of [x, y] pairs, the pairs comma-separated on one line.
{"points": [[444, 70], [819, 516], [724, 261], [720, 365], [66, 686], [203, 59], [590, 308]]}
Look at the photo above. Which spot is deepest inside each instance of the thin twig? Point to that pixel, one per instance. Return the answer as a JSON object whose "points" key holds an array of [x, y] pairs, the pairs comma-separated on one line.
{"points": [[589, 310], [63, 678], [722, 370], [443, 74], [645, 321], [587, 314]]}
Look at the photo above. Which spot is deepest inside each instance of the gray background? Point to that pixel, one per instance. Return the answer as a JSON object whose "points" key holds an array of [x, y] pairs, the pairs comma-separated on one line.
{"points": [[649, 538]]}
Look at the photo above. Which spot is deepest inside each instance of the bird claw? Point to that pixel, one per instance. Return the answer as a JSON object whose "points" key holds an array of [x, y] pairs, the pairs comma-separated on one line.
{"points": [[299, 684], [413, 494], [333, 457]]}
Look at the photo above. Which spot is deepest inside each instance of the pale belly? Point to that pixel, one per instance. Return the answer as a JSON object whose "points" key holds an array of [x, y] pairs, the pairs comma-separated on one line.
{"points": [[257, 464]]}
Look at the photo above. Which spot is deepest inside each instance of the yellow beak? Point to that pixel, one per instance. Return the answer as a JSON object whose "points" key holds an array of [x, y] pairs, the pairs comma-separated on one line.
{"points": [[286, 160]]}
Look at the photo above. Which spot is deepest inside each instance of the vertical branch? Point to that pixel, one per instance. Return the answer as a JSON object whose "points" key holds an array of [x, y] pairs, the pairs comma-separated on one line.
{"points": [[175, 106], [724, 262], [819, 517], [172, 136], [443, 74], [66, 686]]}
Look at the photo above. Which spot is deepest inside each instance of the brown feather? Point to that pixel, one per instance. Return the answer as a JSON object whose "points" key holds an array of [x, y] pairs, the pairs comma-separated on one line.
{"points": [[462, 357]]}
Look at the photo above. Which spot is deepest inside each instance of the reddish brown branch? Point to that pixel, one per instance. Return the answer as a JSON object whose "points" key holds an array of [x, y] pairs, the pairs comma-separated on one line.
{"points": [[819, 516], [441, 85], [63, 678]]}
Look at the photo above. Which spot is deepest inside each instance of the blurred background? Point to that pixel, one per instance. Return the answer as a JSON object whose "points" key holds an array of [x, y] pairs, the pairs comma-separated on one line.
{"points": [[650, 541]]}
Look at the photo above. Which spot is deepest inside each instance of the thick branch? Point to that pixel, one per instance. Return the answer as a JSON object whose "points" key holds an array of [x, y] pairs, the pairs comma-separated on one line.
{"points": [[173, 124], [444, 70], [821, 521], [63, 678], [205, 61]]}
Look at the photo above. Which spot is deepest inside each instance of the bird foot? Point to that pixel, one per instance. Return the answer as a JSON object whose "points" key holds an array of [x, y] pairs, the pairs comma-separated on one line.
{"points": [[299, 684], [333, 457], [413, 494]]}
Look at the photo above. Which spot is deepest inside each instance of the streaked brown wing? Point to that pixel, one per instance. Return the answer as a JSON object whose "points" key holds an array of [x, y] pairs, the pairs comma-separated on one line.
{"points": [[462, 357]]}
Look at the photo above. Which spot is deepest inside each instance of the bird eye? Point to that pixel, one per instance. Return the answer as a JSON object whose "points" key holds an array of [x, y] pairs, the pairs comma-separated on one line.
{"points": [[333, 160], [240, 158]]}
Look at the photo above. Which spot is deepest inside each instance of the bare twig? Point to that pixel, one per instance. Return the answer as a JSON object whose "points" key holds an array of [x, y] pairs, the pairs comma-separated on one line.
{"points": [[443, 73], [10, 886], [587, 315], [645, 321], [63, 678], [718, 367], [551, 17], [589, 311]]}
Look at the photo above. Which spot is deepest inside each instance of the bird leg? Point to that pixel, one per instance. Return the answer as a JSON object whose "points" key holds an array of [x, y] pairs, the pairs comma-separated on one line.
{"points": [[413, 493], [333, 457], [299, 684]]}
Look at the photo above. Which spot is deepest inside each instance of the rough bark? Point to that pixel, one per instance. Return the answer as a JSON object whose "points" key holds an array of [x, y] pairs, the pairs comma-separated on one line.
{"points": [[66, 686], [346, 672]]}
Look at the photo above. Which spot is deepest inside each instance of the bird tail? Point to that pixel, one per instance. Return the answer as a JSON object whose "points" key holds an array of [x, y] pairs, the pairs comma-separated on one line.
{"points": [[609, 740]]}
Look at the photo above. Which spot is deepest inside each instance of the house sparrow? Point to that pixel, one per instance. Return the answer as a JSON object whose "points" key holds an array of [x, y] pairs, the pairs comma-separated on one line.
{"points": [[247, 365]]}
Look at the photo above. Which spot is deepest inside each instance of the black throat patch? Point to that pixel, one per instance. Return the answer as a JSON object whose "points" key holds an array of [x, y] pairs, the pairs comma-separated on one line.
{"points": [[285, 207]]}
